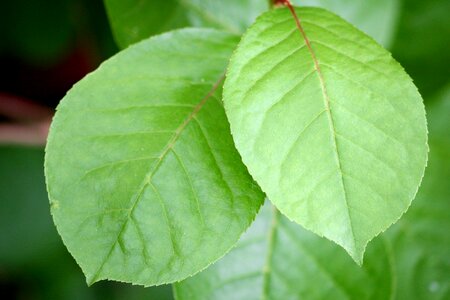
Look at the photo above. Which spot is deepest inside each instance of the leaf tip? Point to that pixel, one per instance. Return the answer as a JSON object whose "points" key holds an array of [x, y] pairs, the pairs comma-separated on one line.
{"points": [[356, 252], [358, 258], [91, 279]]}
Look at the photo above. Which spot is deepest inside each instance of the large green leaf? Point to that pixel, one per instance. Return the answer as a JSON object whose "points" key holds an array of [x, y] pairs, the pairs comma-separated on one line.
{"points": [[410, 261], [277, 259], [134, 20], [378, 18], [144, 181], [328, 124]]}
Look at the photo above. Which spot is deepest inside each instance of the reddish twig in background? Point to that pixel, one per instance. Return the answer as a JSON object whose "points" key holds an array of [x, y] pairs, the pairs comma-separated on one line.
{"points": [[27, 135], [29, 121], [21, 109]]}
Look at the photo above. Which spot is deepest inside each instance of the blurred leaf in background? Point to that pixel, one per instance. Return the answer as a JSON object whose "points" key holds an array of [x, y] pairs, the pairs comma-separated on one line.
{"points": [[279, 259], [134, 20]]}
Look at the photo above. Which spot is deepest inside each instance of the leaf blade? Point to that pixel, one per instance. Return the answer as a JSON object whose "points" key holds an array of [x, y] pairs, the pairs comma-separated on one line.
{"points": [[141, 167], [334, 89]]}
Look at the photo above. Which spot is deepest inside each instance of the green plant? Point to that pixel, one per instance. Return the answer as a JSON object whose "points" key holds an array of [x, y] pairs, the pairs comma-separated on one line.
{"points": [[145, 177]]}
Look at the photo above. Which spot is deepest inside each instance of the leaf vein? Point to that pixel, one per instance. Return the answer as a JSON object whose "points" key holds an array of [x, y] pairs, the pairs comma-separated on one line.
{"points": [[270, 71], [300, 135], [349, 57], [370, 90], [194, 194], [372, 154], [115, 163], [216, 162], [369, 123]]}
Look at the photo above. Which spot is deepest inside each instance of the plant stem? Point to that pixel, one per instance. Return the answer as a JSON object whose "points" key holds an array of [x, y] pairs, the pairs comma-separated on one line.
{"points": [[273, 3]]}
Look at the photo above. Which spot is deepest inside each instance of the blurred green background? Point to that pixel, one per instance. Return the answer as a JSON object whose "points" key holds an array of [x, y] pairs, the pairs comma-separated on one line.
{"points": [[48, 45]]}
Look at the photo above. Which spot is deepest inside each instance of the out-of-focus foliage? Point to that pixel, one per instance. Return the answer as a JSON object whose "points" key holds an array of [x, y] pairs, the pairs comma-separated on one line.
{"points": [[422, 43], [43, 32], [34, 35], [23, 196], [134, 20]]}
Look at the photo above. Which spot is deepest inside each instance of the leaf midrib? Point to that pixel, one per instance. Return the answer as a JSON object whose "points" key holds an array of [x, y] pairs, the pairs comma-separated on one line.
{"points": [[326, 101], [148, 178]]}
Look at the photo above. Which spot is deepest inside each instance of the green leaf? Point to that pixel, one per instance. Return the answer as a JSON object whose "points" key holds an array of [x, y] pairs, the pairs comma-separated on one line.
{"points": [[277, 259], [377, 18], [334, 132], [134, 20], [144, 181]]}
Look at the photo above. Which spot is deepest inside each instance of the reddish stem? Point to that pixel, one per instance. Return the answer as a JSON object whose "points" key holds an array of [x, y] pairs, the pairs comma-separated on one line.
{"points": [[282, 2], [300, 27]]}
